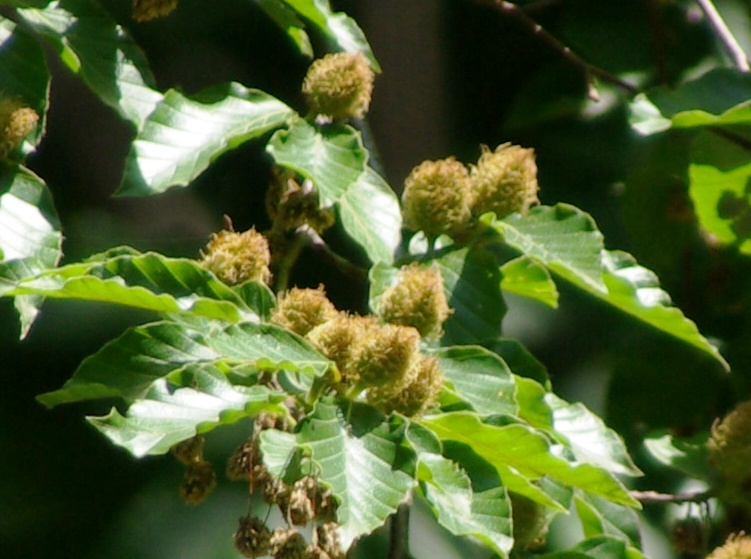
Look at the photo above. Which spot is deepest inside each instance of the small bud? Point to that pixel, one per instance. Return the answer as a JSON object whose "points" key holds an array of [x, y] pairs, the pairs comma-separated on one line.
{"points": [[529, 521], [16, 122], [146, 10], [384, 354], [436, 197], [238, 257], [504, 181], [737, 546], [253, 538], [417, 300], [198, 483], [189, 451], [339, 86], [414, 397], [301, 310], [291, 205], [729, 447], [288, 543]]}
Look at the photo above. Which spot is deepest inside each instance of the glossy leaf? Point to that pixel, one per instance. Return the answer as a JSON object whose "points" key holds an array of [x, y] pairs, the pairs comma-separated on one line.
{"points": [[100, 52], [589, 438], [600, 517], [370, 214], [525, 277], [147, 281], [519, 449], [286, 20], [688, 455], [533, 406], [332, 157], [336, 26], [480, 378], [128, 366], [197, 400], [24, 75], [181, 138]]}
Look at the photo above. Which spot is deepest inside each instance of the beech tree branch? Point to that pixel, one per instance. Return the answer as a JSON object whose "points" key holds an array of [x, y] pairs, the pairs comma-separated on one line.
{"points": [[725, 35]]}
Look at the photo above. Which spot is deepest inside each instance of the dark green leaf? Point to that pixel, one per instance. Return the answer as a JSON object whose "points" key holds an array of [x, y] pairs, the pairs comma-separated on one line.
{"points": [[181, 138], [289, 23], [525, 277], [600, 547], [519, 359], [600, 517], [332, 157], [688, 455]]}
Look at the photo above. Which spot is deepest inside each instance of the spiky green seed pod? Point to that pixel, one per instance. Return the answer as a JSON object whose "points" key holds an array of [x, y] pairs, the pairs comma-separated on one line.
{"points": [[146, 10], [417, 300], [436, 198], [252, 538], [339, 86], [16, 122], [504, 181], [336, 339], [415, 396], [238, 257], [301, 310], [384, 353], [529, 521], [198, 483], [729, 447], [737, 546]]}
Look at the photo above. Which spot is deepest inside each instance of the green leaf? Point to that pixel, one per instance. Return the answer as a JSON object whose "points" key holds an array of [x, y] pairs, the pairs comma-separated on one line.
{"points": [[335, 26], [371, 215], [599, 547], [525, 277], [24, 75], [197, 400], [562, 237], [128, 366], [181, 138], [519, 359], [480, 378], [472, 283], [600, 517], [100, 52], [289, 23], [30, 238], [332, 157], [688, 455], [589, 438], [533, 407], [518, 450], [147, 281]]}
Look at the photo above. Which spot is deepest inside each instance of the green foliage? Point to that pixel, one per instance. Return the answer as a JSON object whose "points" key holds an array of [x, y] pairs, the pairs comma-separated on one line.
{"points": [[210, 356]]}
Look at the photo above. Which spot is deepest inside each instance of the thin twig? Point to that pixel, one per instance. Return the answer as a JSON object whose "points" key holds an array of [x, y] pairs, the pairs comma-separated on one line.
{"points": [[726, 36], [590, 70], [399, 536], [732, 137], [677, 498]]}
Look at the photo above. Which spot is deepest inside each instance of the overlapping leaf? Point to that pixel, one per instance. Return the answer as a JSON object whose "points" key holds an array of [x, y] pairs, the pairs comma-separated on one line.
{"points": [[527, 278], [196, 400], [148, 281], [516, 450], [181, 138], [370, 214], [600, 517], [287, 20], [93, 46], [598, 547], [128, 366], [332, 157], [688, 455]]}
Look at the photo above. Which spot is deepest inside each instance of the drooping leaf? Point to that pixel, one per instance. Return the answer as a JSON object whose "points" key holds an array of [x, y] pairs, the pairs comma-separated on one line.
{"points": [[128, 366], [147, 281], [181, 138], [517, 449], [589, 438], [519, 359], [480, 378], [289, 23], [100, 52], [370, 214], [600, 517], [688, 455], [563, 238], [472, 283], [30, 238], [527, 278], [24, 75], [533, 407], [332, 157], [197, 400], [335, 26]]}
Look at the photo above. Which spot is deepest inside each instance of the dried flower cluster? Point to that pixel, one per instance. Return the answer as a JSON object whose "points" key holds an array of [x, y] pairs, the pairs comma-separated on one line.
{"points": [[199, 479], [737, 546], [291, 204]]}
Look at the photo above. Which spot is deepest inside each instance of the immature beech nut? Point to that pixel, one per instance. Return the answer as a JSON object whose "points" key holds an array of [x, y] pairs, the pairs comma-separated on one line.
{"points": [[339, 86], [238, 257], [384, 354], [291, 204], [16, 122], [189, 451], [436, 197], [336, 339], [504, 181], [729, 446], [301, 310], [146, 10], [253, 538], [417, 300], [418, 393], [737, 546]]}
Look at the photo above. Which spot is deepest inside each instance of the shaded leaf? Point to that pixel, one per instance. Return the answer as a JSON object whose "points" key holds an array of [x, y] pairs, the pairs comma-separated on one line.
{"points": [[600, 517], [286, 20], [100, 52], [599, 547], [181, 138], [688, 455], [371, 215], [517, 450], [533, 406], [332, 157], [519, 359], [177, 409], [527, 278]]}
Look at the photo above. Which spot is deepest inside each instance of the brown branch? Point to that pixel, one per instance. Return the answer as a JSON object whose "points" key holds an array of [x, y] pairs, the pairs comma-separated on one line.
{"points": [[649, 497], [590, 70]]}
